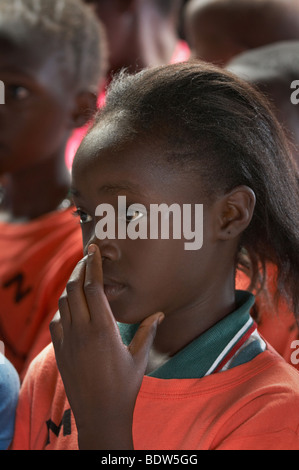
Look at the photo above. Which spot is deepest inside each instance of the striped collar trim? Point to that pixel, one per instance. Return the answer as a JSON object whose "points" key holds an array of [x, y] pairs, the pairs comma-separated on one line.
{"points": [[233, 346], [211, 351]]}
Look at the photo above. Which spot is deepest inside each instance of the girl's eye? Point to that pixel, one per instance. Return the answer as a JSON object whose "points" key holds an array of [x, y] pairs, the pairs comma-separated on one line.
{"points": [[133, 215], [18, 92], [84, 217]]}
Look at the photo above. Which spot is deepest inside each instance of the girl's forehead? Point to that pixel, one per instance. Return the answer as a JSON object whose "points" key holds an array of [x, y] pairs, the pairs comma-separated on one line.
{"points": [[108, 153], [114, 147], [131, 166], [110, 144]]}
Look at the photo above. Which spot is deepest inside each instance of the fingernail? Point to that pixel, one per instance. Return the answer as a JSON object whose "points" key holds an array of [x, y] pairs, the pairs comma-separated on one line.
{"points": [[91, 249]]}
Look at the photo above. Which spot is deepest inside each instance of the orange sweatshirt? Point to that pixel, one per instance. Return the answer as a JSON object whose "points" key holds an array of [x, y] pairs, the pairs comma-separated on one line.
{"points": [[252, 406], [277, 324], [36, 261], [248, 406]]}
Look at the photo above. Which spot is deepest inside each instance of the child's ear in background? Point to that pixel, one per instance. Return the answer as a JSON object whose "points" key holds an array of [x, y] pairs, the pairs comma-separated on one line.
{"points": [[235, 212]]}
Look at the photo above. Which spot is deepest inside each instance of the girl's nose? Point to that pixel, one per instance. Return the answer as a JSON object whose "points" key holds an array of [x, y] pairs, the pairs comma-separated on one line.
{"points": [[109, 248]]}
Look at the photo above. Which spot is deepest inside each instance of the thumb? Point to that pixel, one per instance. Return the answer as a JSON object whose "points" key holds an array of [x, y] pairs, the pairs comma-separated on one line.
{"points": [[144, 337]]}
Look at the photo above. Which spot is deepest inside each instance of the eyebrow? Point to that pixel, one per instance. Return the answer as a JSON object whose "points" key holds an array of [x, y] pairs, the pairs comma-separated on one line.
{"points": [[114, 188]]}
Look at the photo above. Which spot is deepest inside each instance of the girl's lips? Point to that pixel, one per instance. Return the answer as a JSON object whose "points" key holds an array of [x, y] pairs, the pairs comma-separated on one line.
{"points": [[113, 290]]}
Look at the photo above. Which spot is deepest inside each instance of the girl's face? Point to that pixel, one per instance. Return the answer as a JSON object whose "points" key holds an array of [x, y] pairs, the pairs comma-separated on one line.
{"points": [[35, 119], [143, 276]]}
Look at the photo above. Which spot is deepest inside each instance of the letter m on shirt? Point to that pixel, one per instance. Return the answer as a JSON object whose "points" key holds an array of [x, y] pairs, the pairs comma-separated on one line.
{"points": [[65, 424]]}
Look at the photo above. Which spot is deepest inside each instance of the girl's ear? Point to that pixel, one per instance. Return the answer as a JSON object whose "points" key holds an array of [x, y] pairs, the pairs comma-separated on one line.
{"points": [[84, 109], [235, 212]]}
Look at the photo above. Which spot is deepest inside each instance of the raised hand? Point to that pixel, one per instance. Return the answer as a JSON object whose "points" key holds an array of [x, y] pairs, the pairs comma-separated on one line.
{"points": [[101, 375]]}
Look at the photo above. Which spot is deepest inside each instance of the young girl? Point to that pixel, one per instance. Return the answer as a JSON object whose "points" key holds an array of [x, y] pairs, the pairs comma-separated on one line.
{"points": [[51, 63], [184, 367]]}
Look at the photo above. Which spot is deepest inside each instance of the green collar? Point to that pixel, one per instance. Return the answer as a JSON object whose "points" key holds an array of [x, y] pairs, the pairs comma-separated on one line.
{"points": [[198, 358]]}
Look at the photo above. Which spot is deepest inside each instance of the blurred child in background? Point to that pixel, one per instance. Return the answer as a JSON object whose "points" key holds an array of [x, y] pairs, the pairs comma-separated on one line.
{"points": [[9, 394], [273, 68], [140, 34], [218, 30], [51, 62]]}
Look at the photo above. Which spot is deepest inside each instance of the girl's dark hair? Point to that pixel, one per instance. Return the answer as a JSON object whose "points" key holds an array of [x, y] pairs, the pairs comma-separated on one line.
{"points": [[212, 122], [66, 28]]}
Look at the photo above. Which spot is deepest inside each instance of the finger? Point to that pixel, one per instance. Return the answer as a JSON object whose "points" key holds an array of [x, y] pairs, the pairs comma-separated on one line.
{"points": [[144, 337], [78, 308], [64, 310], [56, 330], [96, 299]]}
